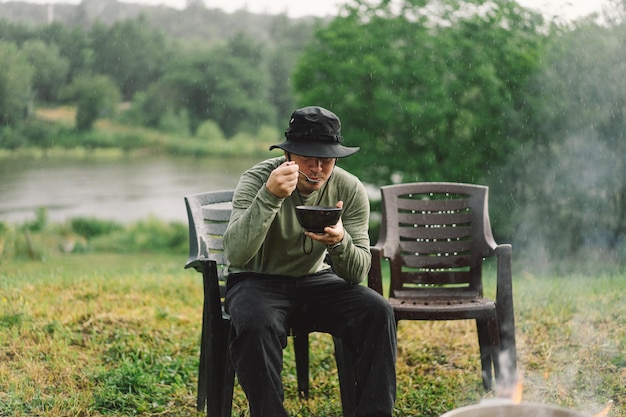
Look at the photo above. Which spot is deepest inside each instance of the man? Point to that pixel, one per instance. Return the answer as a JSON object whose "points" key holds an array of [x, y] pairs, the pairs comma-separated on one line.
{"points": [[276, 267]]}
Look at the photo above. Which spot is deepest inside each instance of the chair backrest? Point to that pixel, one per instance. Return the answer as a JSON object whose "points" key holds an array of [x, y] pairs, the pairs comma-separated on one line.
{"points": [[208, 214], [435, 236]]}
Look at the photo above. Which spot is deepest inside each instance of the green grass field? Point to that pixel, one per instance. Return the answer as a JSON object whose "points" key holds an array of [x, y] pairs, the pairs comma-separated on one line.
{"points": [[117, 335]]}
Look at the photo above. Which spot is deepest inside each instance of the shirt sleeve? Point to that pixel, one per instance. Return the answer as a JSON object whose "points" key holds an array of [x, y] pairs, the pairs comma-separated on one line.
{"points": [[254, 210], [352, 259]]}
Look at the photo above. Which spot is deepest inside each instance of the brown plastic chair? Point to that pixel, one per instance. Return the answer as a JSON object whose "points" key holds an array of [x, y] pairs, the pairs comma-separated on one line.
{"points": [[435, 236], [208, 214]]}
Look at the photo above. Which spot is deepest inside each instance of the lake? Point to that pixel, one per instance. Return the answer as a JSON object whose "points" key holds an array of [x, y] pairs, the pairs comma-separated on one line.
{"points": [[123, 189]]}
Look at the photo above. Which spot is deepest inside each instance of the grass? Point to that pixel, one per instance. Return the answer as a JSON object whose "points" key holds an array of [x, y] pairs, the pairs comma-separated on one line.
{"points": [[99, 334]]}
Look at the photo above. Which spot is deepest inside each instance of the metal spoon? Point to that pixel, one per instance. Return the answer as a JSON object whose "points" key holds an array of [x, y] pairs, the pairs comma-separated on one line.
{"points": [[309, 179]]}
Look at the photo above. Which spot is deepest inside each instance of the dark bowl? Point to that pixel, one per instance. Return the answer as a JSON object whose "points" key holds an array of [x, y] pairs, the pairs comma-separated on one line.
{"points": [[316, 218]]}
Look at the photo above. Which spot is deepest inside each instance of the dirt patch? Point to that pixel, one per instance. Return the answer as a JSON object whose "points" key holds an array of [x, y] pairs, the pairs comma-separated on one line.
{"points": [[65, 114]]}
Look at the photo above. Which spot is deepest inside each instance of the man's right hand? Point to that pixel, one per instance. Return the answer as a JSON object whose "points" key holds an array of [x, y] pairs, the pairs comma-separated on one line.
{"points": [[283, 180]]}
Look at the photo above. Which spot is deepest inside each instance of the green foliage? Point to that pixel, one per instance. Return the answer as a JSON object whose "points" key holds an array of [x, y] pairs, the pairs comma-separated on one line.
{"points": [[224, 85], [50, 69], [151, 235], [11, 138], [142, 54], [40, 222], [446, 90], [40, 133], [175, 122], [210, 130], [37, 239], [96, 96], [15, 84], [92, 227], [73, 43], [30, 133], [156, 108]]}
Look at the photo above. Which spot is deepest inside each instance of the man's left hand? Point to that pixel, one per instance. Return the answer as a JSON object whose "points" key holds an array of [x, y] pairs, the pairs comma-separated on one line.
{"points": [[332, 234]]}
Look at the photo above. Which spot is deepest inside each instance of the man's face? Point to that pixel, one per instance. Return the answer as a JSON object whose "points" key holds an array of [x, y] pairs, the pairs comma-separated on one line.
{"points": [[317, 169]]}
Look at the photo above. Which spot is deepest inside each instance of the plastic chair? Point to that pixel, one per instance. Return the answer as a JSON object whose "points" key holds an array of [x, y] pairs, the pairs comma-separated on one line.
{"points": [[435, 237], [208, 214]]}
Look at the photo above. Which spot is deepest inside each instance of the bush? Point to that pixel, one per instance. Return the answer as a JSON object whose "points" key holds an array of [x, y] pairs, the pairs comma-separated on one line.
{"points": [[36, 239], [152, 235], [210, 130], [40, 133], [11, 138], [40, 222], [92, 227], [130, 141]]}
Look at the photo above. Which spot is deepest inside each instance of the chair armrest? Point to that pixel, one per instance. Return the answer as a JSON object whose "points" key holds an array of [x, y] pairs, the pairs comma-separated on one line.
{"points": [[504, 290], [197, 247], [195, 262], [375, 275], [504, 306]]}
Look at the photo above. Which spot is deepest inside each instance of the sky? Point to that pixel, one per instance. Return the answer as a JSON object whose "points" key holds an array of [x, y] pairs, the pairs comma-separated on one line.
{"points": [[566, 9]]}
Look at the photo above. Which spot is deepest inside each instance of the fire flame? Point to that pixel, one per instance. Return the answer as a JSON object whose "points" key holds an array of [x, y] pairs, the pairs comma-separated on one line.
{"points": [[606, 410], [515, 395], [511, 392]]}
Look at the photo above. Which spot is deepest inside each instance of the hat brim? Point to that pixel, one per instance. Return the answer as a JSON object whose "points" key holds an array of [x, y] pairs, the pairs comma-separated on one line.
{"points": [[318, 150]]}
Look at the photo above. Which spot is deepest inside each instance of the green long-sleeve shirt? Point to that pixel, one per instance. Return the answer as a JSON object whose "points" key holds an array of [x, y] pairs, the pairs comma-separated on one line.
{"points": [[264, 235]]}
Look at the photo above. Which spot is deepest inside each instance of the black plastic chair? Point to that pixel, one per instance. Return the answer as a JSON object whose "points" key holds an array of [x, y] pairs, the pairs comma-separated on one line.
{"points": [[435, 236], [208, 214]]}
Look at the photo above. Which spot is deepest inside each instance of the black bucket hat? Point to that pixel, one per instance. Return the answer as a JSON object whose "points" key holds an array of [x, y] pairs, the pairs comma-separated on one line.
{"points": [[315, 131]]}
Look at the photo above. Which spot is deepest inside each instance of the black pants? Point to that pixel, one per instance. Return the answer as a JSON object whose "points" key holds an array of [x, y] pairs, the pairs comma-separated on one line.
{"points": [[260, 307]]}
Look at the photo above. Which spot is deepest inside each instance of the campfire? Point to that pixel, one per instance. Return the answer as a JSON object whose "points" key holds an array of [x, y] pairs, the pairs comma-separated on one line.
{"points": [[508, 403]]}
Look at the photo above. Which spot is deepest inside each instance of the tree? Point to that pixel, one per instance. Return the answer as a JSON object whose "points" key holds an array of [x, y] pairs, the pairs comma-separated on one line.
{"points": [[129, 54], [227, 84], [95, 96], [49, 67], [74, 46], [285, 47], [430, 90], [15, 84]]}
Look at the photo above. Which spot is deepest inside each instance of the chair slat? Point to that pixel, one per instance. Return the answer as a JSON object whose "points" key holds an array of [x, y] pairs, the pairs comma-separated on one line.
{"points": [[434, 232], [214, 242], [436, 298], [454, 261], [430, 278], [434, 219], [217, 211], [436, 247], [432, 205], [218, 257], [215, 228]]}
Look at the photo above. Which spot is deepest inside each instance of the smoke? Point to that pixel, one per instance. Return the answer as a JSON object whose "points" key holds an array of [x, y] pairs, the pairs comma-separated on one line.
{"points": [[567, 200]]}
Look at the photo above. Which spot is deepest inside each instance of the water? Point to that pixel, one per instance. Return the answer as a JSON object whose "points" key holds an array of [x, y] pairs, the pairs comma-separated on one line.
{"points": [[122, 189]]}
